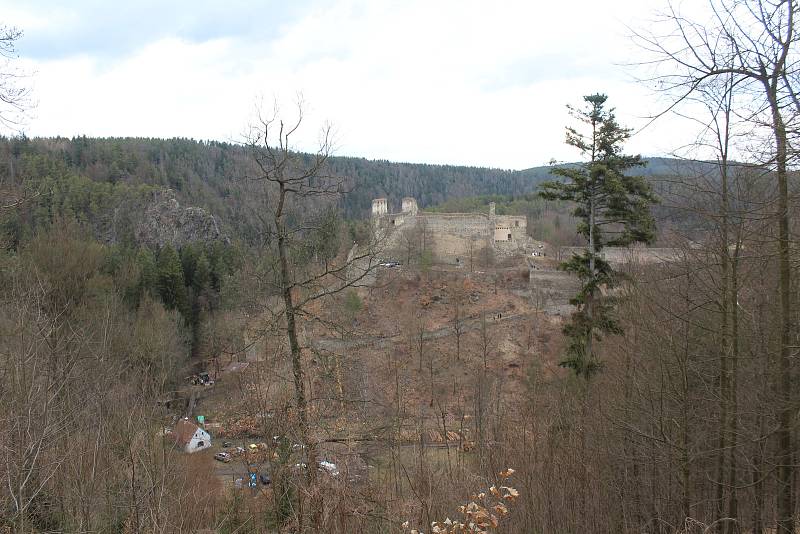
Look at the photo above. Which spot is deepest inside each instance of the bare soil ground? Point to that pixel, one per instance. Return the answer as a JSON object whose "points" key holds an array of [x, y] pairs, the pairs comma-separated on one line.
{"points": [[369, 383]]}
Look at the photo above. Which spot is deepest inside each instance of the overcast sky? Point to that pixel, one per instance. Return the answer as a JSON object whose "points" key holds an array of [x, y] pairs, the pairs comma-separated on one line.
{"points": [[461, 82]]}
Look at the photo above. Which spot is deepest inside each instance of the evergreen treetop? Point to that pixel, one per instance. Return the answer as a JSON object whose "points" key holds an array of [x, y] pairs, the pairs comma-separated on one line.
{"points": [[613, 209]]}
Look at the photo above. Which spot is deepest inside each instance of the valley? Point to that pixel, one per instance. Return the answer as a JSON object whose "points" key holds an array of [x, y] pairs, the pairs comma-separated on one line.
{"points": [[395, 376]]}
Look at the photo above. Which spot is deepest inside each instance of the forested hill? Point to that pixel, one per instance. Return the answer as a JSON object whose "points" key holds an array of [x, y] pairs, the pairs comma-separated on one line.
{"points": [[205, 174]]}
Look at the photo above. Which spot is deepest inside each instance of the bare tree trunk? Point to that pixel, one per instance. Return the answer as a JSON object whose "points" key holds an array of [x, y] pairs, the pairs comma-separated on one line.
{"points": [[724, 348], [753, 42], [786, 454], [291, 332], [686, 471], [733, 431], [583, 459]]}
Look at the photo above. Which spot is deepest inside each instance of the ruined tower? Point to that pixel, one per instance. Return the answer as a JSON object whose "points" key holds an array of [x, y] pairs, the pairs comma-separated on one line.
{"points": [[379, 207], [409, 206]]}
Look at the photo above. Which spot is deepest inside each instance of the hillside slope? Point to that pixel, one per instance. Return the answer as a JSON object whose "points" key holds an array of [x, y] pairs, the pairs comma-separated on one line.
{"points": [[209, 174]]}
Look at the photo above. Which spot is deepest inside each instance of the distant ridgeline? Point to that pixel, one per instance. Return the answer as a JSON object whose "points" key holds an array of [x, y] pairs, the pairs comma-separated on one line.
{"points": [[91, 176]]}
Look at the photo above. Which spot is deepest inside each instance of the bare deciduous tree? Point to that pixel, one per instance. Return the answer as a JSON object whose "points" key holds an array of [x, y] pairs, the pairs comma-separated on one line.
{"points": [[457, 298], [300, 227], [755, 45], [14, 98]]}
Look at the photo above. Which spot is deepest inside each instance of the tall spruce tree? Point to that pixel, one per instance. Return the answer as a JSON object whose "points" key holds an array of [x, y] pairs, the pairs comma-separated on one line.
{"points": [[613, 209], [170, 281], [148, 277], [201, 277]]}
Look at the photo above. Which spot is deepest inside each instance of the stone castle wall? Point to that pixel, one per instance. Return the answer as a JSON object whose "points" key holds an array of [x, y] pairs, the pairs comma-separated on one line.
{"points": [[630, 255], [515, 226], [451, 236]]}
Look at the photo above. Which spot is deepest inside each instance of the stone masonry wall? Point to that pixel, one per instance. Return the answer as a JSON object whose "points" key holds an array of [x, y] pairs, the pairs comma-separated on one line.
{"points": [[635, 254], [452, 236], [452, 233]]}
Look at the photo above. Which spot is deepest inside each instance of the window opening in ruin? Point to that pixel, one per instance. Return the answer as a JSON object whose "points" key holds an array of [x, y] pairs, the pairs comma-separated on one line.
{"points": [[516, 223], [509, 237]]}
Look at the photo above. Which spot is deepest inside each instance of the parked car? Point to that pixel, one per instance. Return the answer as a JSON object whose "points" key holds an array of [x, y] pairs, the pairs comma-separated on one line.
{"points": [[222, 457], [264, 478]]}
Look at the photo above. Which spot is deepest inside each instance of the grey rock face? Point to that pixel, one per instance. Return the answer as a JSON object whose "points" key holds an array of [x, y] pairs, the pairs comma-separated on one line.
{"points": [[164, 221]]}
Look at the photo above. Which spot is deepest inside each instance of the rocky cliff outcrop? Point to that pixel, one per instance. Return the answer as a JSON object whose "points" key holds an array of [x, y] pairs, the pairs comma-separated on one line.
{"points": [[163, 221]]}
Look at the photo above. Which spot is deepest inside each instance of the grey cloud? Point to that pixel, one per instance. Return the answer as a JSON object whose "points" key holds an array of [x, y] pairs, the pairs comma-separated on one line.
{"points": [[110, 29]]}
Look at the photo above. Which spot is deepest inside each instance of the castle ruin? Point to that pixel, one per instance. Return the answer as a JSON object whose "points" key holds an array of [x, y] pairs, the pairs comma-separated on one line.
{"points": [[451, 236]]}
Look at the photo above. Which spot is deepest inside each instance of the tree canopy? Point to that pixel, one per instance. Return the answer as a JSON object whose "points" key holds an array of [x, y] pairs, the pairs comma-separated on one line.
{"points": [[613, 209]]}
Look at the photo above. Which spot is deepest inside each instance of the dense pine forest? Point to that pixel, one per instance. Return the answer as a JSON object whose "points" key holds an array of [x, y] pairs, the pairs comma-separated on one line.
{"points": [[206, 174], [103, 179]]}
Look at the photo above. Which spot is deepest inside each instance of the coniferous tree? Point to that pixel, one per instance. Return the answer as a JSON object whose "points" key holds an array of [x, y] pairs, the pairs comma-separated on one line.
{"points": [[188, 254], [613, 209], [148, 276], [170, 282], [200, 301], [201, 281]]}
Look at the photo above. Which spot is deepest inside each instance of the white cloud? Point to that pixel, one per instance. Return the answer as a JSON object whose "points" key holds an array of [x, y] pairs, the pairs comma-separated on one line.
{"points": [[461, 82]]}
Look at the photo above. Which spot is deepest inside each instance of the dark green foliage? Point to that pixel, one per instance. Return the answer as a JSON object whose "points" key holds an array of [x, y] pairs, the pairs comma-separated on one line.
{"points": [[148, 276], [181, 281], [170, 281], [201, 277], [208, 174], [223, 260], [102, 207], [622, 201], [613, 209], [102, 180], [189, 254]]}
